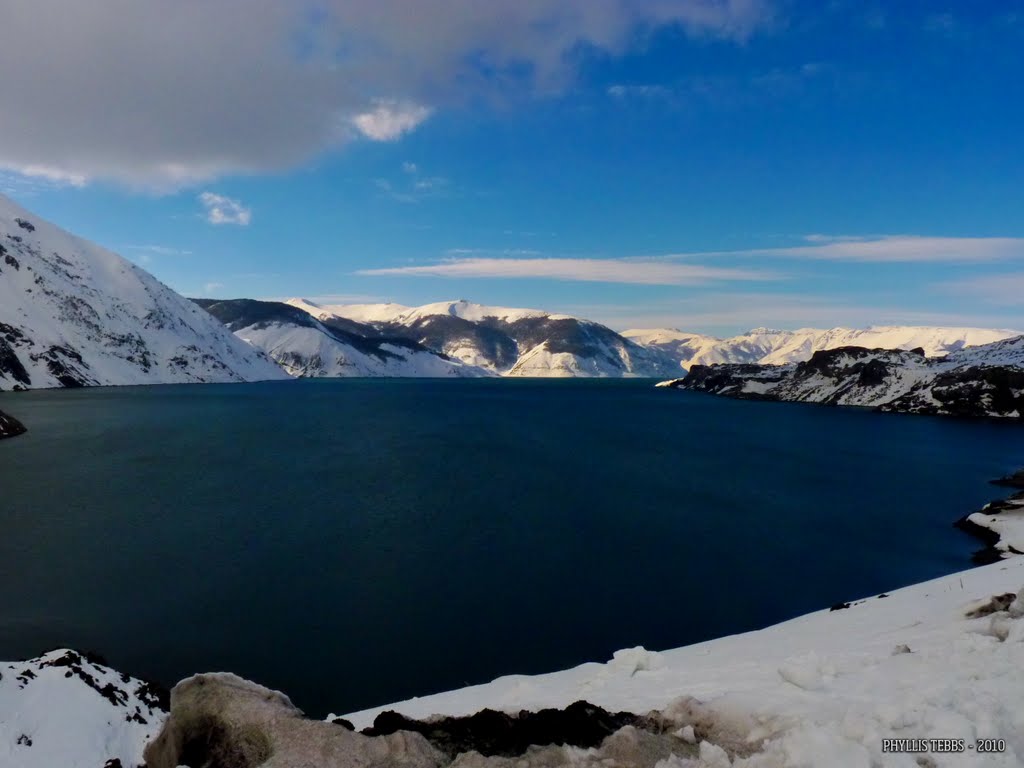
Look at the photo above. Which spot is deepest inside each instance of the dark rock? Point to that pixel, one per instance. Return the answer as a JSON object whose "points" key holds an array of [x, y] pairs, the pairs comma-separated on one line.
{"points": [[839, 606], [996, 604], [10, 426], [1013, 480], [28, 226], [495, 733]]}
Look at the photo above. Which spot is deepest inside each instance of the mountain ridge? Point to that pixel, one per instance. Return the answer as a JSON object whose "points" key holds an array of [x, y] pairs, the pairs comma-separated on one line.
{"points": [[75, 314]]}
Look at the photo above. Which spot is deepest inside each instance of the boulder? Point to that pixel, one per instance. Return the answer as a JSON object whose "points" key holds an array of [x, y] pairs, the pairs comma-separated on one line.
{"points": [[223, 721], [10, 426]]}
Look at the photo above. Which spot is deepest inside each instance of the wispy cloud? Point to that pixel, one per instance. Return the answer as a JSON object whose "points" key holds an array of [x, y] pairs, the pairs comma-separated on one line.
{"points": [[728, 313], [413, 186], [212, 288], [1002, 290], [389, 120], [903, 248], [883, 248], [157, 250], [632, 271], [225, 210]]}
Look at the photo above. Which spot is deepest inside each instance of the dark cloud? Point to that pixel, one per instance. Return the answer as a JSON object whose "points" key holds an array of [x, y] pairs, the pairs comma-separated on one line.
{"points": [[166, 93]]}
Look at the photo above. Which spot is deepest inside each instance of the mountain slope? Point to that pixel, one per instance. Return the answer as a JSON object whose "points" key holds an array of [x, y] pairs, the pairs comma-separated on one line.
{"points": [[773, 347], [507, 341], [987, 380], [75, 314], [329, 348]]}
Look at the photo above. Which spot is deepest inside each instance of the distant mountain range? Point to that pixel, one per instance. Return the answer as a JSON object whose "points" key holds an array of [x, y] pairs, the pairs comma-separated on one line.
{"points": [[767, 346], [74, 314]]}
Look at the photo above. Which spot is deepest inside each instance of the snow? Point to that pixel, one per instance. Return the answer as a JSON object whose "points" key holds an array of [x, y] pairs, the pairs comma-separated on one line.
{"points": [[596, 351], [72, 310], [403, 315], [768, 346], [1006, 519], [52, 717], [363, 313], [822, 689], [312, 352]]}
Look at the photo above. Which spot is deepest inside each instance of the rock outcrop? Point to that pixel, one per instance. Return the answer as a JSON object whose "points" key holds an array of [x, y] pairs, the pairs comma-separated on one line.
{"points": [[10, 426], [987, 380], [224, 721]]}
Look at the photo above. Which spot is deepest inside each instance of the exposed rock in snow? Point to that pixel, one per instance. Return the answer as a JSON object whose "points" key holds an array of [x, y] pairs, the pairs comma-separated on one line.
{"points": [[64, 709], [304, 345], [975, 381], [74, 314], [505, 341], [767, 346], [10, 426], [224, 721]]}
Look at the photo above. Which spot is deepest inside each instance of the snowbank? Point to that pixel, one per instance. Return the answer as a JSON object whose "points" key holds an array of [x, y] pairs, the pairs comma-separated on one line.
{"points": [[828, 688]]}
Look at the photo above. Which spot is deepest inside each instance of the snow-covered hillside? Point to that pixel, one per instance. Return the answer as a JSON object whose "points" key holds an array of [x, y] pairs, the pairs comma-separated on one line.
{"points": [[65, 710], [74, 314], [938, 660], [975, 381], [330, 348], [927, 675], [774, 347], [506, 341]]}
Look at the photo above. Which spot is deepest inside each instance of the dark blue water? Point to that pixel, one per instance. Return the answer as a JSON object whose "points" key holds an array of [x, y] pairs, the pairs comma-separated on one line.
{"points": [[362, 541]]}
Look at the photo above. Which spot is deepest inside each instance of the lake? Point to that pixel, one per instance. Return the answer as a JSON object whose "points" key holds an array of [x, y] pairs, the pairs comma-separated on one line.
{"points": [[354, 542]]}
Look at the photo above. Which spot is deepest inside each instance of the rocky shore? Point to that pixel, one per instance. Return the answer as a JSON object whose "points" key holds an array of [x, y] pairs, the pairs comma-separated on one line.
{"points": [[10, 426], [999, 525]]}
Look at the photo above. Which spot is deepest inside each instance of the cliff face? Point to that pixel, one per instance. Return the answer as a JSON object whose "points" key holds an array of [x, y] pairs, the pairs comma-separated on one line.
{"points": [[987, 380], [10, 426]]}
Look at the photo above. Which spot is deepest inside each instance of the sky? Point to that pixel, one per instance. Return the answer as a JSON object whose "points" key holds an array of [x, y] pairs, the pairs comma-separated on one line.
{"points": [[708, 165]]}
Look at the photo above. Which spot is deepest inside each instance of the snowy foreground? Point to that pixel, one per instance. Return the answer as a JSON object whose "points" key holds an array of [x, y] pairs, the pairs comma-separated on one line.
{"points": [[826, 689]]}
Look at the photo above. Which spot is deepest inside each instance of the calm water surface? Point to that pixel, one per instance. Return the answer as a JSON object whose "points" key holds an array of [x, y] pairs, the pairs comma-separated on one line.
{"points": [[355, 542]]}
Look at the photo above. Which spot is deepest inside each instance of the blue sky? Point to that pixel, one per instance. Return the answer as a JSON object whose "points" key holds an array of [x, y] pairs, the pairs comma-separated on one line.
{"points": [[706, 165]]}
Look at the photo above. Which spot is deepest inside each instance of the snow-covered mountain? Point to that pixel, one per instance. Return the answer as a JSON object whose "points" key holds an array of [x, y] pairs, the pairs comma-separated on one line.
{"points": [[987, 380], [506, 341], [774, 347], [333, 347], [75, 314]]}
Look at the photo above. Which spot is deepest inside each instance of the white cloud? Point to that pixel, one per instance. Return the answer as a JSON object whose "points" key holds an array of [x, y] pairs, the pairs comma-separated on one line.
{"points": [[166, 94], [55, 176], [212, 288], [224, 210], [390, 120], [635, 271]]}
